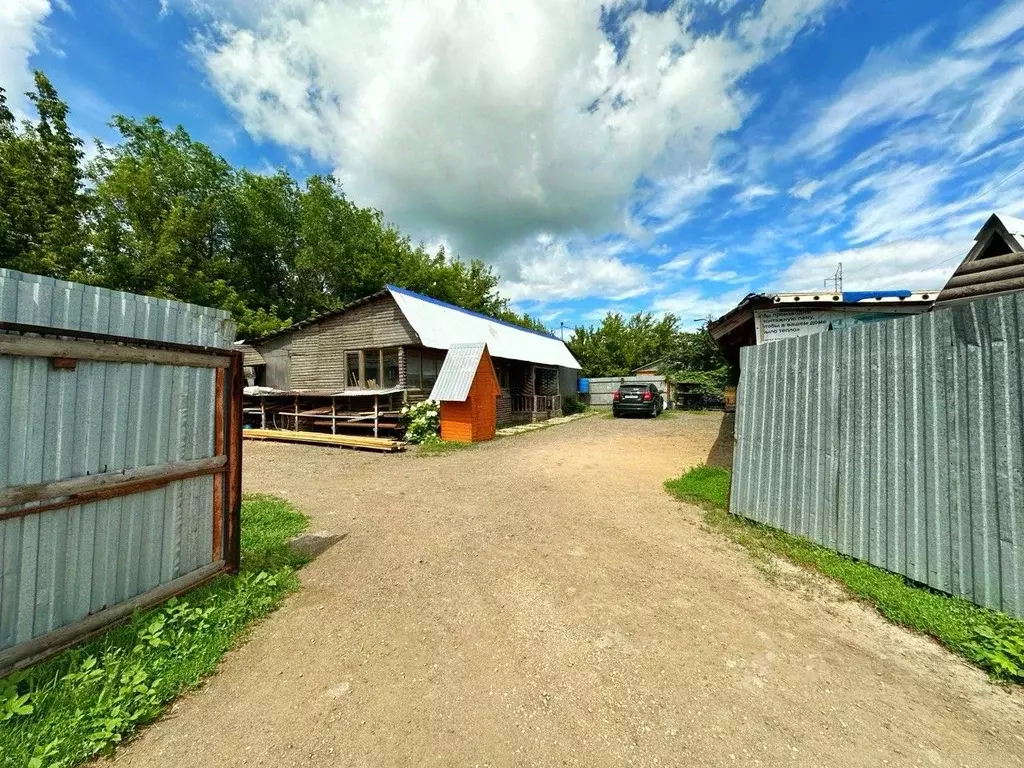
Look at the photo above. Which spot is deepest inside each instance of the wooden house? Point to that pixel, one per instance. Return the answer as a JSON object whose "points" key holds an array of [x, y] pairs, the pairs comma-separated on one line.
{"points": [[468, 391], [387, 350], [994, 265]]}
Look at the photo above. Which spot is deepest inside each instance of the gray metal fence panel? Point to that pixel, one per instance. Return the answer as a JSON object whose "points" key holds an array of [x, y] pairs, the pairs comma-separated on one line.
{"points": [[601, 389], [900, 443], [59, 566]]}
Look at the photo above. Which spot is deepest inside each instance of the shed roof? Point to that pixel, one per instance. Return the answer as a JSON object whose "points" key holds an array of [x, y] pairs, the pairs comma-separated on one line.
{"points": [[441, 325], [1013, 225], [455, 378], [995, 264]]}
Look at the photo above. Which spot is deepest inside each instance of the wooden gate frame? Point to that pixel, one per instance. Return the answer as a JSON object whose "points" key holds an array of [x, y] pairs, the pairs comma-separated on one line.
{"points": [[64, 347]]}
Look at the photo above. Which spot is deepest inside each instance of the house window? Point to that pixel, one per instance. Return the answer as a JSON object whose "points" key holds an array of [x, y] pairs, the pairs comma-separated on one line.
{"points": [[371, 369], [352, 377], [389, 368], [430, 367], [503, 375], [412, 368]]}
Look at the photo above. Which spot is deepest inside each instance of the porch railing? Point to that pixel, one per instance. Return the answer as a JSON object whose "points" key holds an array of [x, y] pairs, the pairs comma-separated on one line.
{"points": [[536, 403]]}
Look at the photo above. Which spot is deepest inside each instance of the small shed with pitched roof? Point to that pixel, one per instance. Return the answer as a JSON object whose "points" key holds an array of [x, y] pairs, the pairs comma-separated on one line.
{"points": [[467, 389]]}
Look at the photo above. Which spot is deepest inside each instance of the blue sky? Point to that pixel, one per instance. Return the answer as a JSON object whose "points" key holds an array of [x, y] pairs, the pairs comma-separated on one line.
{"points": [[667, 156]]}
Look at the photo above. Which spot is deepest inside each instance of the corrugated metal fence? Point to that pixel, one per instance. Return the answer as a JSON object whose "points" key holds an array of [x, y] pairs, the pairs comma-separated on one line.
{"points": [[601, 389], [118, 466], [900, 443]]}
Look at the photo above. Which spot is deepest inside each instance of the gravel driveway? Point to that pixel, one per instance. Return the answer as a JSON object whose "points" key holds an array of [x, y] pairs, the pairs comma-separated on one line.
{"points": [[541, 601]]}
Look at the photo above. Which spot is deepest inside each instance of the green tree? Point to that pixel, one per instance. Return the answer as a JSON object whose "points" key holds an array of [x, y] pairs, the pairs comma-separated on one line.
{"points": [[164, 215], [618, 346], [525, 320], [43, 202], [263, 242], [160, 226]]}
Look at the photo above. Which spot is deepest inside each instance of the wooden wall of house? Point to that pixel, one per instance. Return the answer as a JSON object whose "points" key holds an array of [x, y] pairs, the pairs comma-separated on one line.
{"points": [[313, 358]]}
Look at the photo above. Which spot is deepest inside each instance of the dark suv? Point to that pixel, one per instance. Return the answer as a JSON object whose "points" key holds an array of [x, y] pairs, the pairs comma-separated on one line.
{"points": [[643, 399]]}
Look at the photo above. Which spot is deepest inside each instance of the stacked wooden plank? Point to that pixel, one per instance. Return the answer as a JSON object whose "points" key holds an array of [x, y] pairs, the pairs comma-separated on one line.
{"points": [[317, 412], [320, 438]]}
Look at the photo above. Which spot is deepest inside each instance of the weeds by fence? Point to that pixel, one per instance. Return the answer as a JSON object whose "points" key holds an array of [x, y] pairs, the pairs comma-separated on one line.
{"points": [[989, 639], [92, 697], [900, 443]]}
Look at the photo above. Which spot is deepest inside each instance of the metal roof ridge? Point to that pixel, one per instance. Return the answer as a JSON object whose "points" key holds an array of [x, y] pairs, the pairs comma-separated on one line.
{"points": [[472, 313]]}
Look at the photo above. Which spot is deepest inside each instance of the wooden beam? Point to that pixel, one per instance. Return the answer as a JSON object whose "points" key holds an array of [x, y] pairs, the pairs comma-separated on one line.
{"points": [[78, 490], [37, 346], [979, 277], [322, 438], [219, 428], [992, 262], [233, 438], [996, 286], [68, 333]]}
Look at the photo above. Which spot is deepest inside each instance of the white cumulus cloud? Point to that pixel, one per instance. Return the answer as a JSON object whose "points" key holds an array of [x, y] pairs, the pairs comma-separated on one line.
{"points": [[491, 122], [915, 264], [21, 27], [553, 269]]}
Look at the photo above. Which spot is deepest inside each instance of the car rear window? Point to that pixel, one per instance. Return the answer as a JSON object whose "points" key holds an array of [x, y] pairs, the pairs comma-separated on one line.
{"points": [[633, 388]]}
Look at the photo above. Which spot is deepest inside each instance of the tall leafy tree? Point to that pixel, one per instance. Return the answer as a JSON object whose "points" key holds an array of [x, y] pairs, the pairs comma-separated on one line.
{"points": [[159, 213], [619, 345], [160, 225], [262, 218], [43, 201]]}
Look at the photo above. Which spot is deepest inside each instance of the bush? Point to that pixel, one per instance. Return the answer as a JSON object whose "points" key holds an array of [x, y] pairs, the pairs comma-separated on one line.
{"points": [[422, 422], [572, 404]]}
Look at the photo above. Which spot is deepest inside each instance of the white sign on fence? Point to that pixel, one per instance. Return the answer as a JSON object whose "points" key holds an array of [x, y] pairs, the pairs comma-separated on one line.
{"points": [[778, 324]]}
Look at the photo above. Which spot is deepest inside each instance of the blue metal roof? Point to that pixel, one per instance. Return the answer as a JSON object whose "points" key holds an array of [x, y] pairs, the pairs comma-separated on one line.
{"points": [[892, 293]]}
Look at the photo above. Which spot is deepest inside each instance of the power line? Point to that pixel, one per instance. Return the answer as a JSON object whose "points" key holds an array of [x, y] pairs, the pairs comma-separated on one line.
{"points": [[920, 235], [836, 279], [930, 266]]}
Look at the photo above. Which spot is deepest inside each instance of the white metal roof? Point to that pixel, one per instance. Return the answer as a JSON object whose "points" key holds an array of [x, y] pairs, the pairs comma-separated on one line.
{"points": [[440, 325], [455, 378], [1013, 225]]}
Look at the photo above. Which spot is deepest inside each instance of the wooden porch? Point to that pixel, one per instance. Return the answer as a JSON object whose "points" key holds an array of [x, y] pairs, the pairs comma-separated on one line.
{"points": [[544, 406]]}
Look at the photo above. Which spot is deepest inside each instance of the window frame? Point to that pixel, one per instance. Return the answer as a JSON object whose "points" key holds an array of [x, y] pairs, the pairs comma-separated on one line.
{"points": [[396, 351], [359, 369], [411, 382], [377, 354]]}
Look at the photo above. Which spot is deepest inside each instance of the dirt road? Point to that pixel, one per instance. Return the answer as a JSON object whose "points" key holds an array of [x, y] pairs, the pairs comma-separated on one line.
{"points": [[541, 601]]}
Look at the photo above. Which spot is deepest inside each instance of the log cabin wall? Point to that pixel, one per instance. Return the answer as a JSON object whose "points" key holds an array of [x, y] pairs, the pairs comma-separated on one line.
{"points": [[312, 358]]}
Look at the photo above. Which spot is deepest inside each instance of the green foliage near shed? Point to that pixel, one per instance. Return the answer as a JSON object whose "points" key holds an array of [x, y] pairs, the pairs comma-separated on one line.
{"points": [[621, 345]]}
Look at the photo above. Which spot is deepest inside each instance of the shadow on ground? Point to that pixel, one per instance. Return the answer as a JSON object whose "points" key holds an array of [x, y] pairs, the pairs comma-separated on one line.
{"points": [[720, 454]]}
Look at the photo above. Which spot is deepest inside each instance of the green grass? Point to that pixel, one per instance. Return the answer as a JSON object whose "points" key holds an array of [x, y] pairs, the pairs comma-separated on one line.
{"points": [[990, 639], [90, 698], [669, 414], [441, 447], [703, 485]]}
